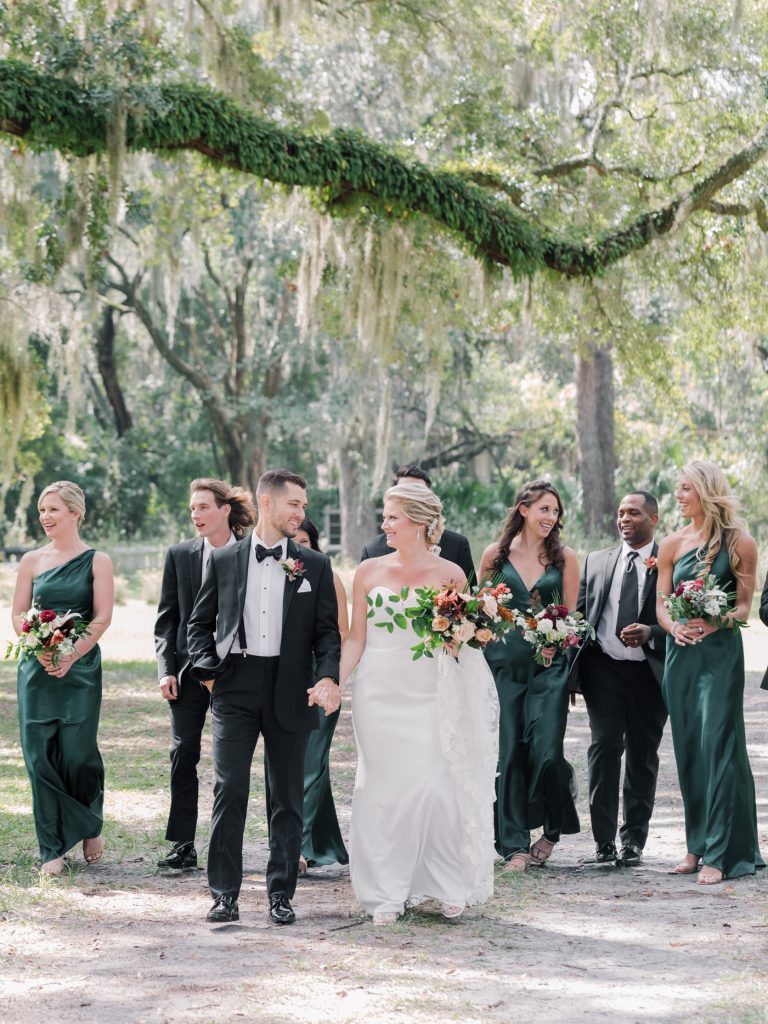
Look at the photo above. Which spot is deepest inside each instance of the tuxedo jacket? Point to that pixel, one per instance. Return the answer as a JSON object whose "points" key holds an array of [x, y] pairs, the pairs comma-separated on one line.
{"points": [[182, 575], [453, 546], [310, 627], [764, 617], [594, 588]]}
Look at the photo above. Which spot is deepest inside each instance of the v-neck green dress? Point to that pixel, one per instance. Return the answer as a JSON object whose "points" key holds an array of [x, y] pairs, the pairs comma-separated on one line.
{"points": [[59, 720], [536, 785], [704, 691]]}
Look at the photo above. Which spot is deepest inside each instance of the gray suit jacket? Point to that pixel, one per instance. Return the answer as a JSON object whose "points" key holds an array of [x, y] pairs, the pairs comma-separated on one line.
{"points": [[595, 585]]}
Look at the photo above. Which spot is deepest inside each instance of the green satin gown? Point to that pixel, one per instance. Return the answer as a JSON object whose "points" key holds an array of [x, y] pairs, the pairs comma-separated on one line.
{"points": [[536, 785], [59, 720], [704, 692]]}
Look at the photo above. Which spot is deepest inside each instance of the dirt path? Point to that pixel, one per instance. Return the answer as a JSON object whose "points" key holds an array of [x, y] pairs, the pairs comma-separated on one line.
{"points": [[567, 943]]}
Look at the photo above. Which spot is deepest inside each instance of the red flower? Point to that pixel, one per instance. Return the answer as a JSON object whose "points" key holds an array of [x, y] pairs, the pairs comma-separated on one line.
{"points": [[697, 585], [679, 590], [25, 626], [47, 615], [651, 564]]}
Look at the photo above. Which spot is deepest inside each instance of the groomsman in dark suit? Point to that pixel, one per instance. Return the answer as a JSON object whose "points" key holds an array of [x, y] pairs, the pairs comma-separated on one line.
{"points": [[453, 546], [764, 618], [266, 607], [620, 675], [220, 514]]}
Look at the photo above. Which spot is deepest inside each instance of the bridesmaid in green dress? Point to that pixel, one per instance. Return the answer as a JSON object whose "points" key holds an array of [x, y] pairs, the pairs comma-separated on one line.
{"points": [[535, 786], [59, 704], [322, 842], [704, 680]]}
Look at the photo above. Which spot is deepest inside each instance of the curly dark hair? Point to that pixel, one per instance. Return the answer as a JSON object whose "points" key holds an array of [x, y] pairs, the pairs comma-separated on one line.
{"points": [[554, 552]]}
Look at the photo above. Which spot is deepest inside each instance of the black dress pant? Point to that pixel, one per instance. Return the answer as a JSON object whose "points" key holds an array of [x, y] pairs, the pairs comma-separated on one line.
{"points": [[626, 713], [188, 713], [242, 708]]}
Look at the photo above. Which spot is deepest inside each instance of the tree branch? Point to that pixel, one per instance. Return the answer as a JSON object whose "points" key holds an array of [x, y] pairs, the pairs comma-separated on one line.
{"points": [[57, 113]]}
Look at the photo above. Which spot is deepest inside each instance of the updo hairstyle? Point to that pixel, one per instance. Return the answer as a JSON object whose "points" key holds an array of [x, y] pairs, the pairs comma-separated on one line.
{"points": [[421, 506], [70, 494]]}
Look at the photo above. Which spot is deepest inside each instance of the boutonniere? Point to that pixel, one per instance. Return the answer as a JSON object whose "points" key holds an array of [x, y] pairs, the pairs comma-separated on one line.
{"points": [[651, 564], [293, 568]]}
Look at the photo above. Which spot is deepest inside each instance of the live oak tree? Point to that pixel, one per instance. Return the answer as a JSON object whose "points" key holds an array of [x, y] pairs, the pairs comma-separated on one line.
{"points": [[552, 142]]}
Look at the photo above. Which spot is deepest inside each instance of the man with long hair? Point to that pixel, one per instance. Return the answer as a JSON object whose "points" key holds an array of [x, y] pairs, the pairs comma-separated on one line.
{"points": [[220, 514]]}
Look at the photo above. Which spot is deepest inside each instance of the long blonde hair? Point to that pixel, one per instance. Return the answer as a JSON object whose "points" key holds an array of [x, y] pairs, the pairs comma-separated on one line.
{"points": [[722, 522]]}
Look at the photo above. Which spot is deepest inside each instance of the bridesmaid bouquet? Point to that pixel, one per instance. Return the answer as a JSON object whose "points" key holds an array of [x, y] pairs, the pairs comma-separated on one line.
{"points": [[552, 626], [702, 598], [43, 631], [447, 619]]}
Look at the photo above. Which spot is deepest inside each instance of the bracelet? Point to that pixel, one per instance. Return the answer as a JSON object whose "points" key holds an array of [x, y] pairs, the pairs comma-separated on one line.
{"points": [[674, 634]]}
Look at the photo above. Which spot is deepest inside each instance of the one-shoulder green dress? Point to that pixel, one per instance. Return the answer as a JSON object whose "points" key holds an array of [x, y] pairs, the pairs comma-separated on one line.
{"points": [[535, 786], [59, 720], [704, 691]]}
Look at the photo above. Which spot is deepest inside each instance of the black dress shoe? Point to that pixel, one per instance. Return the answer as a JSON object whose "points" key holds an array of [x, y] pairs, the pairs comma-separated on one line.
{"points": [[631, 856], [280, 910], [606, 854], [183, 857], [225, 908]]}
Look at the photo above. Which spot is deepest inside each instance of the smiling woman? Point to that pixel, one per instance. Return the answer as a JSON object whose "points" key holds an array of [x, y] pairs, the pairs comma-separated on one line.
{"points": [[60, 698], [535, 784]]}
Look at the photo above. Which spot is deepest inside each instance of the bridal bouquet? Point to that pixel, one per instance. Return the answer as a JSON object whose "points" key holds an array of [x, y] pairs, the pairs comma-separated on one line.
{"points": [[702, 598], [43, 631], [552, 626], [447, 619]]}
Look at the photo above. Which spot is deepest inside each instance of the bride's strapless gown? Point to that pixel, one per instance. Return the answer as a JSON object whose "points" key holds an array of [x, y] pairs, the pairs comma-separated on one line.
{"points": [[427, 741]]}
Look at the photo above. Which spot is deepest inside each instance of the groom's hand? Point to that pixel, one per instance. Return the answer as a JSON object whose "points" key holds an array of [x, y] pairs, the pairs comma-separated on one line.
{"points": [[326, 694]]}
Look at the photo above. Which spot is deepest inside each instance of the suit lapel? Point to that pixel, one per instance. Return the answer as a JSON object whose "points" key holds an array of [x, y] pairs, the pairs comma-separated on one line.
{"points": [[291, 586], [241, 560], [196, 564], [651, 578], [609, 567]]}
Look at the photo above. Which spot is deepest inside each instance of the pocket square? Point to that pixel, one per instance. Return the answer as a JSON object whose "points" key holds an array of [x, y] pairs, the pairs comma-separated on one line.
{"points": [[304, 588]]}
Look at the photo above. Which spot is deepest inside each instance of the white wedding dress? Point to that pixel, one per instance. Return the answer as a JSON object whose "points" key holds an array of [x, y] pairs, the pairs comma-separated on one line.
{"points": [[427, 744]]}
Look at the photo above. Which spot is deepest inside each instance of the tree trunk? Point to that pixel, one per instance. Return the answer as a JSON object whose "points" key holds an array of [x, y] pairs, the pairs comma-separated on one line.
{"points": [[596, 439], [358, 511], [105, 352]]}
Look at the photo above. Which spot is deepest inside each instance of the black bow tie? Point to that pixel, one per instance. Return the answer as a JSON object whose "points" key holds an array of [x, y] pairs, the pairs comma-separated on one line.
{"points": [[262, 552]]}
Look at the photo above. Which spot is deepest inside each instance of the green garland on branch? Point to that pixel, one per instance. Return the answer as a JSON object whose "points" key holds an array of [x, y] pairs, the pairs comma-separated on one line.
{"points": [[49, 112]]}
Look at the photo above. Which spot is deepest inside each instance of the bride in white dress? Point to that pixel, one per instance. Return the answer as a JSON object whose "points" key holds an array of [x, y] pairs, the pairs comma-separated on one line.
{"points": [[427, 734]]}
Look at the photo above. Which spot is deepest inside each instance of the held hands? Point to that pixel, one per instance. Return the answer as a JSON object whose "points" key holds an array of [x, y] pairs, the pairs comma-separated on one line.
{"points": [[169, 689], [635, 635], [326, 694], [692, 632]]}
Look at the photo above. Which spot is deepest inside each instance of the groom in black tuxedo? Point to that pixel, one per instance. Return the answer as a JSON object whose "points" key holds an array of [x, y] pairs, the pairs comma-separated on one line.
{"points": [[453, 546], [620, 675], [265, 607]]}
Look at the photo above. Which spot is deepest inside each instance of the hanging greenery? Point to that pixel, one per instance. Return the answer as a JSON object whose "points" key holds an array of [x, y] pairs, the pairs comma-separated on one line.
{"points": [[49, 112]]}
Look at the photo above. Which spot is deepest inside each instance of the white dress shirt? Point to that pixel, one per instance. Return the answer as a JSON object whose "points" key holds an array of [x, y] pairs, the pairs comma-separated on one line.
{"points": [[263, 611], [208, 548], [606, 630]]}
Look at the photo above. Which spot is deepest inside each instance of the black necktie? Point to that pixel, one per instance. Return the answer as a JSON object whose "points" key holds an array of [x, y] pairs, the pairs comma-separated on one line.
{"points": [[628, 596], [262, 552]]}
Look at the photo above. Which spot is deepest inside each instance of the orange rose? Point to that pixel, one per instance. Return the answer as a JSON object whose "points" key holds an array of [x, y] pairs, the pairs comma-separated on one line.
{"points": [[440, 623], [483, 636]]}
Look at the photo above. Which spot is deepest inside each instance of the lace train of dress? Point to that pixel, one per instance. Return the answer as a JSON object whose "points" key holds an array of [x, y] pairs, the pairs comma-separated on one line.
{"points": [[422, 808]]}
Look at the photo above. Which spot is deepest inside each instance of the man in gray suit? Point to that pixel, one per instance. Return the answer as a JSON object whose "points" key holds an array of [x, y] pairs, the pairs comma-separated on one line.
{"points": [[453, 546], [620, 675]]}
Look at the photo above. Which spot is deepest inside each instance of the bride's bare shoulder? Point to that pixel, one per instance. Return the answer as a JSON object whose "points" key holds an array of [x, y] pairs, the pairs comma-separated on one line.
{"points": [[451, 574]]}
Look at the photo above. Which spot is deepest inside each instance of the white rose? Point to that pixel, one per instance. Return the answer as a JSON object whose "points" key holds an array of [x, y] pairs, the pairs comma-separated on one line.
{"points": [[545, 626], [490, 605], [562, 628]]}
